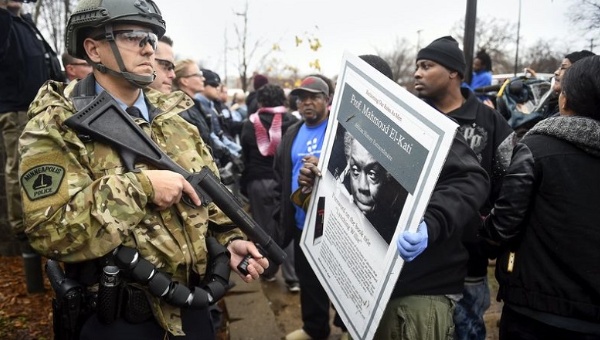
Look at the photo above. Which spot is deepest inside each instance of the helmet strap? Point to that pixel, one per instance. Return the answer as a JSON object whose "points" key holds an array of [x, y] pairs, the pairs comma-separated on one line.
{"points": [[136, 80]]}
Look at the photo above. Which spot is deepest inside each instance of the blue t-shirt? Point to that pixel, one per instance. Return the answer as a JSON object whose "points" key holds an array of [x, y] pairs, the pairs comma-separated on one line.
{"points": [[308, 141]]}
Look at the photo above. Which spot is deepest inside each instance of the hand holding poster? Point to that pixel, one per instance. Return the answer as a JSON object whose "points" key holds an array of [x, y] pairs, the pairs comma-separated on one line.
{"points": [[383, 153]]}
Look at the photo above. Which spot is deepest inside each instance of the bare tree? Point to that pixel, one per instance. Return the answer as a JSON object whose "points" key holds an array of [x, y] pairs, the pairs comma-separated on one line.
{"points": [[586, 13], [51, 18], [246, 49], [497, 37], [402, 61], [542, 57]]}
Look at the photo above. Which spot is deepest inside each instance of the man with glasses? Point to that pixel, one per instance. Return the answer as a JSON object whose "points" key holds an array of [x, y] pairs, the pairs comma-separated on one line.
{"points": [[75, 68], [209, 98], [164, 66], [81, 203]]}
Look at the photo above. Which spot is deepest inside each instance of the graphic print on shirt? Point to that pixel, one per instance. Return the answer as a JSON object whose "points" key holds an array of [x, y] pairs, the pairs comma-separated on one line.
{"points": [[312, 146], [476, 136]]}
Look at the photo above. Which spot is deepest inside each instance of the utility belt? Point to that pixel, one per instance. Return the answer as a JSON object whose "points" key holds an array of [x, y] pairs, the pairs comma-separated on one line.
{"points": [[119, 295], [117, 299]]}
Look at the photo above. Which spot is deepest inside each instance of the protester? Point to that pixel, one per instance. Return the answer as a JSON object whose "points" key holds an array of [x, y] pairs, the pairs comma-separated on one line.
{"points": [[258, 80], [422, 302], [331, 86], [91, 204], [260, 137], [302, 140], [547, 219], [239, 110], [232, 121], [440, 69], [482, 70], [567, 62], [75, 68]]}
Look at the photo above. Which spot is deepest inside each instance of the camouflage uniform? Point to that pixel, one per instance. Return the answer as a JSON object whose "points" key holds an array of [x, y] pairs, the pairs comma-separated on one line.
{"points": [[80, 203]]}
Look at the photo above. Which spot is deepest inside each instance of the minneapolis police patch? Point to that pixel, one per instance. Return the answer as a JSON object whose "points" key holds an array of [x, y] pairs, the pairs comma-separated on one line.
{"points": [[42, 181]]}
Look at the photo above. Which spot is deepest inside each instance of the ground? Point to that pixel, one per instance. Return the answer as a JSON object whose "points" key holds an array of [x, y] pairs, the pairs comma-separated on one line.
{"points": [[26, 316], [23, 316]]}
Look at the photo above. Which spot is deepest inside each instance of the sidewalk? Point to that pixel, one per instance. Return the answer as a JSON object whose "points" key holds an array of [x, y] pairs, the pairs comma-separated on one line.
{"points": [[266, 310], [249, 311]]}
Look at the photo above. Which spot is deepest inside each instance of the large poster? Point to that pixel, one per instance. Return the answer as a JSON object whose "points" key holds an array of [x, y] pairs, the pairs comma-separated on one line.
{"points": [[383, 152]]}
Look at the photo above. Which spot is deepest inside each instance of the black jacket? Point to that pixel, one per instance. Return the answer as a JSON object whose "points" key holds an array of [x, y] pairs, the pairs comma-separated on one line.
{"points": [[460, 190], [23, 68], [548, 214], [194, 116], [492, 140]]}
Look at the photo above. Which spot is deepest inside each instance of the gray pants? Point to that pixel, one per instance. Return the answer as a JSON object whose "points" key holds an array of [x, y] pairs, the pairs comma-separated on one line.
{"points": [[263, 197]]}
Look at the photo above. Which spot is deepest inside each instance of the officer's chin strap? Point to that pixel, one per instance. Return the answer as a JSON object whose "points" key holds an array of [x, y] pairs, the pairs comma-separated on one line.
{"points": [[136, 80], [214, 287]]}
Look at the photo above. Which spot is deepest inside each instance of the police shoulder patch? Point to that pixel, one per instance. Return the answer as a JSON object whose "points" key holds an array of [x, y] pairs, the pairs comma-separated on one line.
{"points": [[42, 181]]}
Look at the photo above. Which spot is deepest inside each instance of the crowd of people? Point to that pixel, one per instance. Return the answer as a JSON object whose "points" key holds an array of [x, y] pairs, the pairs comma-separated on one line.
{"points": [[527, 201]]}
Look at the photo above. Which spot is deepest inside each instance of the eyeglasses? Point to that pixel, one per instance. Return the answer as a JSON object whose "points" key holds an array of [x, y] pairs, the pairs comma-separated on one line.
{"points": [[199, 75], [80, 64], [133, 38], [165, 64]]}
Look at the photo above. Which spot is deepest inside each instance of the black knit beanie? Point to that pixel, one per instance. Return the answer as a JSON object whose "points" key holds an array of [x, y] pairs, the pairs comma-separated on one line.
{"points": [[445, 51]]}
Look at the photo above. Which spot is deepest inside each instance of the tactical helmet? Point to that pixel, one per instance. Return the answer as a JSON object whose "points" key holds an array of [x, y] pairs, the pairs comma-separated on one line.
{"points": [[91, 14]]}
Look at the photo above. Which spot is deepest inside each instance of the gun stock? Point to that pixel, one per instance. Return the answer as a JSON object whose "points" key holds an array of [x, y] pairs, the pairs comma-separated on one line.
{"points": [[104, 120]]}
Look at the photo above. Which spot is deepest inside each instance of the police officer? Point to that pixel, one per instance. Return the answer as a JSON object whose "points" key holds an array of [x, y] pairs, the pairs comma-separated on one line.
{"points": [[81, 204]]}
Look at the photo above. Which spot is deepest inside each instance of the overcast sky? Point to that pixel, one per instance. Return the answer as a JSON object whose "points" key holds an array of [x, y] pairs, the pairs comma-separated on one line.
{"points": [[199, 28]]}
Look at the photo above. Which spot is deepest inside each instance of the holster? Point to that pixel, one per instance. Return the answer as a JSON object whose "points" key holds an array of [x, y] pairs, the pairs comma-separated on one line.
{"points": [[131, 303]]}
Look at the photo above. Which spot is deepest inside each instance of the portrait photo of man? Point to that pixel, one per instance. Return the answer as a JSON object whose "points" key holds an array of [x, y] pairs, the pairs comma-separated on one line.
{"points": [[372, 188]]}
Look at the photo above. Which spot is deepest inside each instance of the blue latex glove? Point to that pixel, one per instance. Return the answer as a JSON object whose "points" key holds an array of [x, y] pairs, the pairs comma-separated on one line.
{"points": [[410, 244]]}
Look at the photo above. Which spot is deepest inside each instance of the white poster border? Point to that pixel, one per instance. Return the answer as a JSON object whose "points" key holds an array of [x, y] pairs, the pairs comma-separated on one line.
{"points": [[383, 105]]}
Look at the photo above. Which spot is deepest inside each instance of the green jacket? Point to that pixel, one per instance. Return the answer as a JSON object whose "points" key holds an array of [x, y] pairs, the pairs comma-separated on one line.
{"points": [[85, 204]]}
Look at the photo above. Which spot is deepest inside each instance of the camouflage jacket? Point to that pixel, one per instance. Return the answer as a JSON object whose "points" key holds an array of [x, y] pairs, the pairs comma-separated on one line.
{"points": [[80, 203]]}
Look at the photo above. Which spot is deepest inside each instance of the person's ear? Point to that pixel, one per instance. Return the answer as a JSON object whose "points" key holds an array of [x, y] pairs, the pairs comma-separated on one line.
{"points": [[183, 81], [91, 47], [565, 103]]}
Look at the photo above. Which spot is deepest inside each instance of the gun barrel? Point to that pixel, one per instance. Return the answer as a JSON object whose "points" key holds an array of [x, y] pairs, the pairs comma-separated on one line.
{"points": [[225, 200]]}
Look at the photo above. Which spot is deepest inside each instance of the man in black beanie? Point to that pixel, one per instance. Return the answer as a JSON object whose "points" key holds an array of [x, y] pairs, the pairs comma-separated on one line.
{"points": [[438, 77], [445, 51]]}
